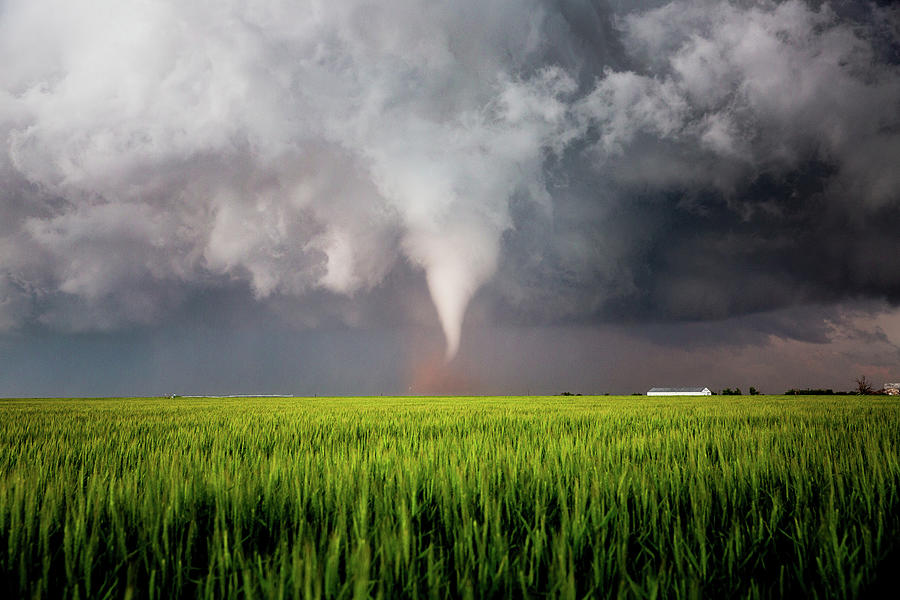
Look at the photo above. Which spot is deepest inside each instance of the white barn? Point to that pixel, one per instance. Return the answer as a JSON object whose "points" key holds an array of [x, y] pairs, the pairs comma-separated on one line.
{"points": [[679, 391]]}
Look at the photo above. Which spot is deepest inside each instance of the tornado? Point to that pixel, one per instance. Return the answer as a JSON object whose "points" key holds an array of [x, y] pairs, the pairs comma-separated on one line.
{"points": [[458, 263]]}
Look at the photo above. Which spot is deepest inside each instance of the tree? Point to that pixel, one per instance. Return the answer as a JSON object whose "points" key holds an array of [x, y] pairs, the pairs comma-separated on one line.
{"points": [[754, 391], [863, 386]]}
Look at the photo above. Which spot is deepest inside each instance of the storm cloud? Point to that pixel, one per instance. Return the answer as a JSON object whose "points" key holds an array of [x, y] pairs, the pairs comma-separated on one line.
{"points": [[563, 162]]}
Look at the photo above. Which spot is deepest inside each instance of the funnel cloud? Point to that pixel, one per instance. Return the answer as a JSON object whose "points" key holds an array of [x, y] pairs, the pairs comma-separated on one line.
{"points": [[501, 165]]}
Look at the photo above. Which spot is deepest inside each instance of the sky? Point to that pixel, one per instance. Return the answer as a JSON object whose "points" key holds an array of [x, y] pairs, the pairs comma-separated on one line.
{"points": [[447, 197]]}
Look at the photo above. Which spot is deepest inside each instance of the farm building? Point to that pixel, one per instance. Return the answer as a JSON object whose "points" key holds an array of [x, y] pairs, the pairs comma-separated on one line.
{"points": [[891, 389], [679, 391]]}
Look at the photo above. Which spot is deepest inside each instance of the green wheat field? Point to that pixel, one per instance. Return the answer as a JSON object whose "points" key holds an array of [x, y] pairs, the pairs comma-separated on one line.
{"points": [[560, 497]]}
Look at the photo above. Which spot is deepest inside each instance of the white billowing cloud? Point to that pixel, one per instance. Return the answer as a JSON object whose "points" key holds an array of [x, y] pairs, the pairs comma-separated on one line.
{"points": [[292, 146], [626, 104], [740, 88]]}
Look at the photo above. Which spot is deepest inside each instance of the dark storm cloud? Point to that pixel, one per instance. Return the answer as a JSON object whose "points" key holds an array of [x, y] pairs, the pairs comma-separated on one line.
{"points": [[745, 162], [567, 161]]}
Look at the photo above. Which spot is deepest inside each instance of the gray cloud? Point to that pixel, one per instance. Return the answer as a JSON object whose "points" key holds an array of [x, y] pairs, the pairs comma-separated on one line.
{"points": [[743, 163], [565, 162]]}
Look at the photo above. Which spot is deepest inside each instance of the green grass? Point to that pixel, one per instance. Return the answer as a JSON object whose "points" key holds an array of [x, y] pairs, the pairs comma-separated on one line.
{"points": [[449, 497]]}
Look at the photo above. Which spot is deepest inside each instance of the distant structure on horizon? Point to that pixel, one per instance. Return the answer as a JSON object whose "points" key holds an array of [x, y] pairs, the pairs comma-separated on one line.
{"points": [[891, 389], [679, 391]]}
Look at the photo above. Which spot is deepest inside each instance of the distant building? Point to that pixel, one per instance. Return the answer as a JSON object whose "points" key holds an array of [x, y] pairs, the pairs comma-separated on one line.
{"points": [[679, 391], [891, 389]]}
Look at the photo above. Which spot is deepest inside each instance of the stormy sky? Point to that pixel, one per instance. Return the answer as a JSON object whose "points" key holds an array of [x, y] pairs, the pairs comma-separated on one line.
{"points": [[492, 196]]}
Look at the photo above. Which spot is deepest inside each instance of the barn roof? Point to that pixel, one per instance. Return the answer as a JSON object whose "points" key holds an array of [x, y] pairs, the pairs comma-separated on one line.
{"points": [[678, 389]]}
